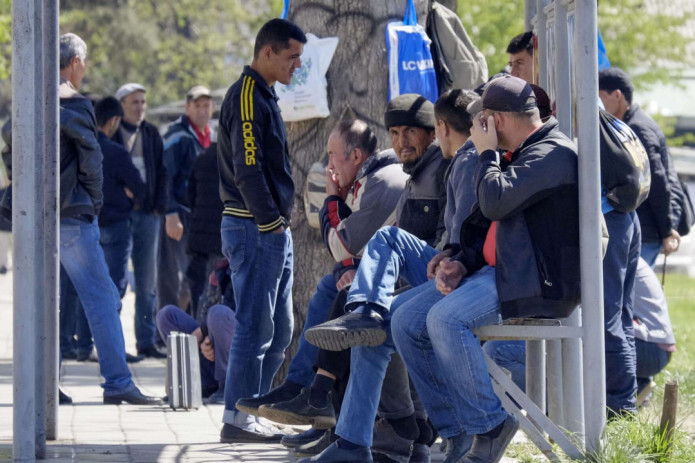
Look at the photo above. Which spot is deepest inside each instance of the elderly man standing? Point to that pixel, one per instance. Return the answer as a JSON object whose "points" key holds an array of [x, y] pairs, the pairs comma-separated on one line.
{"points": [[81, 199], [185, 139], [142, 140]]}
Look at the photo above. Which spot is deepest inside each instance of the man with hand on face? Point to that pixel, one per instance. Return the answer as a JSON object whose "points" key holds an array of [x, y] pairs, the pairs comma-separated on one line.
{"points": [[257, 190], [142, 140], [362, 190], [185, 139]]}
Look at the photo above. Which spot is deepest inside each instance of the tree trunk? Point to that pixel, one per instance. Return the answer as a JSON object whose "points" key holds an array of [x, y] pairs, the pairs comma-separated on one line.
{"points": [[358, 79]]}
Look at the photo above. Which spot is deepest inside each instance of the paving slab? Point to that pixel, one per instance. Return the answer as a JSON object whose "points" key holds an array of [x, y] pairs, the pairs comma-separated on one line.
{"points": [[90, 432]]}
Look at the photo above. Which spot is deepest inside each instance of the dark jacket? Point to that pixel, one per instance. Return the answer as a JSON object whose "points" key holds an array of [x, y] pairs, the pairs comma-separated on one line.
{"points": [[660, 212], [156, 200], [348, 225], [119, 172], [534, 198], [421, 208], [181, 147], [206, 206], [81, 175], [255, 174]]}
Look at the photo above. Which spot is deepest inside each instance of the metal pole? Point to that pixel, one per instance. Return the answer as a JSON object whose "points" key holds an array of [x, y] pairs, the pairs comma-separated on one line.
{"points": [[563, 77], [573, 381], [25, 209], [50, 246], [542, 58], [39, 248], [586, 53], [535, 372], [529, 13]]}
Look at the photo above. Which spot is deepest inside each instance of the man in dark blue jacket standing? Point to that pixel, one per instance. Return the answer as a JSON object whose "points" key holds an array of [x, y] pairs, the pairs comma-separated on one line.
{"points": [[184, 141], [257, 189], [142, 140]]}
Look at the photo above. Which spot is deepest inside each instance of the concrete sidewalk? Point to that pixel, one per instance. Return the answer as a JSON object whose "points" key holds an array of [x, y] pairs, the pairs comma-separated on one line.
{"points": [[92, 432]]}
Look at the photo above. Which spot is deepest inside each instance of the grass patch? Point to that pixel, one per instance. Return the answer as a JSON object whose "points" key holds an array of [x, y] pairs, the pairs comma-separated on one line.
{"points": [[637, 439]]}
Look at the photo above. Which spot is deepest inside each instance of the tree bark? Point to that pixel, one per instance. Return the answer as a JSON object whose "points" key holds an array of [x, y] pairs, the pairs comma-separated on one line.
{"points": [[358, 79]]}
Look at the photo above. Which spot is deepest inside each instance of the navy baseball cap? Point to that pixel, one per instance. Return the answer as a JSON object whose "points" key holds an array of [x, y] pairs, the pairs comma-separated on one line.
{"points": [[508, 94]]}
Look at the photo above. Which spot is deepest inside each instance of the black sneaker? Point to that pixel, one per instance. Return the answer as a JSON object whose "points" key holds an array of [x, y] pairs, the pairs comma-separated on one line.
{"points": [[306, 437], [486, 449], [350, 330], [280, 394], [234, 435], [387, 442], [151, 352], [299, 411], [317, 446], [63, 398]]}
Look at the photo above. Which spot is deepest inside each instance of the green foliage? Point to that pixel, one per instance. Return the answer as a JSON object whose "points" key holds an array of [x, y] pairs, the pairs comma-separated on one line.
{"points": [[5, 38], [491, 25], [651, 44], [648, 42], [166, 46]]}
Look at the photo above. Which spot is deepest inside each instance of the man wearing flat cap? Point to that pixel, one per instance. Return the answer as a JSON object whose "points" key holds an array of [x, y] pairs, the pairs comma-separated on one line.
{"points": [[185, 139], [142, 140]]}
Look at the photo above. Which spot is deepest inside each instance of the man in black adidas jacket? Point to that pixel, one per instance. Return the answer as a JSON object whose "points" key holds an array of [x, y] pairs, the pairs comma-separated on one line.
{"points": [[257, 190]]}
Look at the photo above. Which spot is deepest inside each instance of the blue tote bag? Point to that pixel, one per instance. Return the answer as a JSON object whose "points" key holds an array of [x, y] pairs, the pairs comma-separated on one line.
{"points": [[411, 68]]}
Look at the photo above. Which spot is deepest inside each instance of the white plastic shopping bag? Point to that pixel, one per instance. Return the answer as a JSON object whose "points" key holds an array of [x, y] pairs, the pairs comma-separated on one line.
{"points": [[306, 97]]}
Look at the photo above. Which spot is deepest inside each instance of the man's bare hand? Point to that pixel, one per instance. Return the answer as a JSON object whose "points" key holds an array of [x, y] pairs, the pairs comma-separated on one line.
{"points": [[332, 187], [449, 275], [483, 133], [128, 193], [346, 279], [433, 265], [174, 227], [671, 243], [207, 349]]}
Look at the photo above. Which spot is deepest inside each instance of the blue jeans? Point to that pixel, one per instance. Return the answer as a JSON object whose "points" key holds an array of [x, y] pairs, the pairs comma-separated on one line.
{"points": [[145, 233], [619, 269], [650, 251], [301, 369], [221, 326], [116, 242], [651, 359], [390, 254], [262, 274], [510, 355], [82, 258], [444, 358]]}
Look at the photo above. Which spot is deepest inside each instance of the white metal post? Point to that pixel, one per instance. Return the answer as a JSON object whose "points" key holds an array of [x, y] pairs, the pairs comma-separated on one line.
{"points": [[529, 13], [25, 218], [563, 87], [50, 213], [586, 53], [542, 58]]}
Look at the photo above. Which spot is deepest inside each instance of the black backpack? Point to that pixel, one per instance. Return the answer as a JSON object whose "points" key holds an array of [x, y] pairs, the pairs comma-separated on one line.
{"points": [[625, 171], [687, 218]]}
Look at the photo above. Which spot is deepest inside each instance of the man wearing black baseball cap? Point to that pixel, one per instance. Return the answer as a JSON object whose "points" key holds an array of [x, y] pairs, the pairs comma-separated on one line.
{"points": [[519, 258]]}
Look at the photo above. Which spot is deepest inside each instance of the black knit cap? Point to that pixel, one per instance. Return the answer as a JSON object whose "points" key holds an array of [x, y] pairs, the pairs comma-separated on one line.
{"points": [[411, 110], [509, 94]]}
